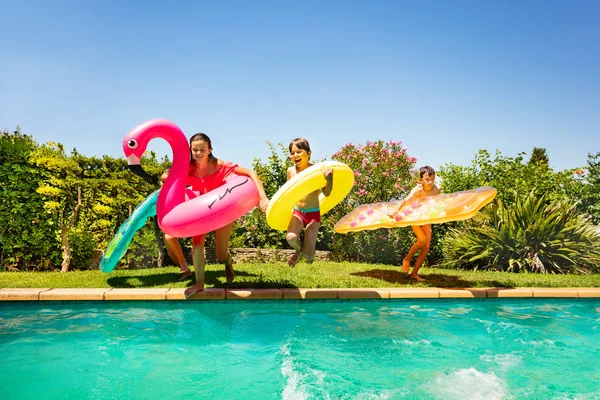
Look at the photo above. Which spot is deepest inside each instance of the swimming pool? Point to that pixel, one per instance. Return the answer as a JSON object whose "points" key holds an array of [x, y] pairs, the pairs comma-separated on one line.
{"points": [[376, 349]]}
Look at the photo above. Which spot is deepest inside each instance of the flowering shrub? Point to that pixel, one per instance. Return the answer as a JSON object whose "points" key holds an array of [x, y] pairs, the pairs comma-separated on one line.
{"points": [[383, 171]]}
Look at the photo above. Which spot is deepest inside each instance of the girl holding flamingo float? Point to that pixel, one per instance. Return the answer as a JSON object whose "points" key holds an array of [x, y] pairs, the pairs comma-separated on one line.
{"points": [[206, 174]]}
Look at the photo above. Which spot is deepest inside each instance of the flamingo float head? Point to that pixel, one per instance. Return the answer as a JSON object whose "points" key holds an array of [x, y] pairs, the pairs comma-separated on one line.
{"points": [[136, 142]]}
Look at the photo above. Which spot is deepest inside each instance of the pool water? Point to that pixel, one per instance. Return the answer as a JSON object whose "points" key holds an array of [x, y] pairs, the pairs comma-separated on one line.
{"points": [[423, 349]]}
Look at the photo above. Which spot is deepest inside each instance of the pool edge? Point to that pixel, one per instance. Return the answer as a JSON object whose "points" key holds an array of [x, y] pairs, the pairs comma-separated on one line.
{"points": [[109, 294]]}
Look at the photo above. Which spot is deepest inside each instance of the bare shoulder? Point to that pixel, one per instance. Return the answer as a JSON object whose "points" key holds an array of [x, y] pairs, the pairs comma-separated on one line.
{"points": [[418, 189], [217, 164], [291, 171], [435, 190]]}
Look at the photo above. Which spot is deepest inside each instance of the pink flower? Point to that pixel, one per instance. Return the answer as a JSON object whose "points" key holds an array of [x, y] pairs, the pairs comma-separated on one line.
{"points": [[361, 192], [253, 227]]}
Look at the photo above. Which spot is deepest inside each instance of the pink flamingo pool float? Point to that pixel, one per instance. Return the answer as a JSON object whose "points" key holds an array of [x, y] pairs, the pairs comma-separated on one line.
{"points": [[180, 212]]}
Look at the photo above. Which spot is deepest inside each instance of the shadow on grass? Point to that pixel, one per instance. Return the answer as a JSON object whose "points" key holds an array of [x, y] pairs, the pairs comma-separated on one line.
{"points": [[431, 279], [212, 279]]}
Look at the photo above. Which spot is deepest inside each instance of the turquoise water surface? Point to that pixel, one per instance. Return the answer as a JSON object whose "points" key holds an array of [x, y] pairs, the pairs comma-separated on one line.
{"points": [[424, 349]]}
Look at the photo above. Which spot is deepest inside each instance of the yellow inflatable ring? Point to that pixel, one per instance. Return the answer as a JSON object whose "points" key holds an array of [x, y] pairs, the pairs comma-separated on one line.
{"points": [[279, 211]]}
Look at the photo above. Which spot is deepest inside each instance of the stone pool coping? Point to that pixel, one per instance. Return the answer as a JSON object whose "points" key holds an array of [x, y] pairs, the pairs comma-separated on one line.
{"points": [[44, 294]]}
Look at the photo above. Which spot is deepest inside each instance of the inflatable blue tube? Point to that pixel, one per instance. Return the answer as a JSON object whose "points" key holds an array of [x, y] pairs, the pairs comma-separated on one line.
{"points": [[118, 245]]}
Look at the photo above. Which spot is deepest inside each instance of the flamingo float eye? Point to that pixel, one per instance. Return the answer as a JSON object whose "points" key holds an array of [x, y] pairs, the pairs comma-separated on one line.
{"points": [[132, 144]]}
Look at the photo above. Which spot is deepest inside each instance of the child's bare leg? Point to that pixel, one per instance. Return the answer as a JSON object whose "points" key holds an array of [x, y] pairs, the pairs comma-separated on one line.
{"points": [[293, 239], [199, 264], [421, 241], [426, 229], [175, 252], [222, 236], [310, 241]]}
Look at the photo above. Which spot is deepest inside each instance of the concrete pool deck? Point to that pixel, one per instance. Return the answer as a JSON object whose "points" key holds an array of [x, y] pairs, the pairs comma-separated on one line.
{"points": [[107, 294]]}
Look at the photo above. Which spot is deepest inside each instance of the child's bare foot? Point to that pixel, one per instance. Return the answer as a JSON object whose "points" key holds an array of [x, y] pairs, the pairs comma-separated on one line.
{"points": [[189, 292], [309, 258], [294, 258], [185, 275], [417, 278], [229, 274], [405, 265]]}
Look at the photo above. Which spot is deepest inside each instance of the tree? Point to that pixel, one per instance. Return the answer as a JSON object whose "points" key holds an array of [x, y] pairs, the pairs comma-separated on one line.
{"points": [[68, 188], [539, 158]]}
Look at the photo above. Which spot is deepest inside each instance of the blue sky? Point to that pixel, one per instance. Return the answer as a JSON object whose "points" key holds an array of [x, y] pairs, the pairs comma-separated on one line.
{"points": [[447, 78]]}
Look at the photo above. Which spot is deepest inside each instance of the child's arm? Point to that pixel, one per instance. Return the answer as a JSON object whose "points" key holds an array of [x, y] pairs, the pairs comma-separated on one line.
{"points": [[264, 200], [407, 199], [328, 174]]}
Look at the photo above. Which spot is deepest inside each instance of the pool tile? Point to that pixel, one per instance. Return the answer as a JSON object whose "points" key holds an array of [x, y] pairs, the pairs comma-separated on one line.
{"points": [[320, 293], [362, 293], [21, 294], [262, 294], [554, 292], [463, 293], [136, 294], [408, 293], [207, 294], [74, 294], [588, 292]]}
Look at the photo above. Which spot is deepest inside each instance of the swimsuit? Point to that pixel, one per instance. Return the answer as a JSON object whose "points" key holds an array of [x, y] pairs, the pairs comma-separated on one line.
{"points": [[205, 184], [307, 216]]}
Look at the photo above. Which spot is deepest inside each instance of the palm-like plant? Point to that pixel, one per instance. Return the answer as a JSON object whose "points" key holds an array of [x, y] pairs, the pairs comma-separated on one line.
{"points": [[535, 234]]}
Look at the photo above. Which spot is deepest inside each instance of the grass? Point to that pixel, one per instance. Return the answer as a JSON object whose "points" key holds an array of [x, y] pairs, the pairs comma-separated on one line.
{"points": [[279, 275]]}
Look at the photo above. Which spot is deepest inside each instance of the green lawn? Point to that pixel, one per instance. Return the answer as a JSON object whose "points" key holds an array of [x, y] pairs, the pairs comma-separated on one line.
{"points": [[279, 275]]}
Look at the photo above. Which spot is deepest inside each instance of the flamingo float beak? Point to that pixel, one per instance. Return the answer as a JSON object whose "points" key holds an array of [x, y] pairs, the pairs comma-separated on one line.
{"points": [[135, 167], [139, 171]]}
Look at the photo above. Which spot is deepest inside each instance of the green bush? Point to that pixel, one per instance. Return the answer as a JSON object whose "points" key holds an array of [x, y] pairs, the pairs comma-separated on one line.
{"points": [[83, 248], [252, 229], [590, 185], [511, 176], [26, 229], [143, 249], [533, 234]]}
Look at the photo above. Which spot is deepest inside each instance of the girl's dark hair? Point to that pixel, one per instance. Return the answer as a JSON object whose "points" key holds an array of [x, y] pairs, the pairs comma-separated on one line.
{"points": [[204, 137], [300, 143], [426, 170], [165, 172]]}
